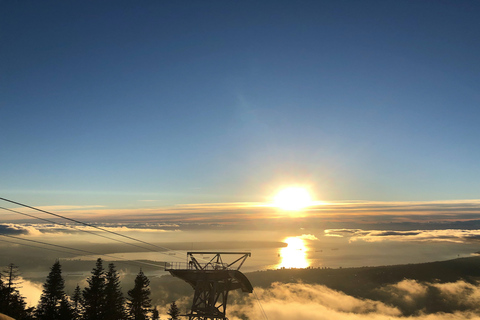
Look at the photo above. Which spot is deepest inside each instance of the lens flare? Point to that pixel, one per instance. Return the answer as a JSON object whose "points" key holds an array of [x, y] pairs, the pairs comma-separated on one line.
{"points": [[292, 199]]}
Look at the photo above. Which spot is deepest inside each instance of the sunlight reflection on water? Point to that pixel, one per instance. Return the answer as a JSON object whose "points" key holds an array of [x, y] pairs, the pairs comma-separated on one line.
{"points": [[294, 255]]}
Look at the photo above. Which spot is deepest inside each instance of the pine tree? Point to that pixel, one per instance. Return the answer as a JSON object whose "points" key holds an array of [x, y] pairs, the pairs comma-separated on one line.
{"points": [[139, 298], [77, 298], [115, 302], [11, 276], [173, 311], [54, 303], [65, 311], [155, 314], [94, 294], [11, 302], [77, 301], [10, 281], [3, 295]]}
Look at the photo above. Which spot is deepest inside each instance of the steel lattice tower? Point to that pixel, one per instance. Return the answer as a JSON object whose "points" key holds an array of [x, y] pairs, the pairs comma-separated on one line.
{"points": [[212, 282]]}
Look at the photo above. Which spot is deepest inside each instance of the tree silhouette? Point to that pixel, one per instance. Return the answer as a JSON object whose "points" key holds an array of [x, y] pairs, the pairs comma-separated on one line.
{"points": [[114, 300], [94, 294], [155, 314], [139, 298], [53, 301], [173, 311], [77, 301], [11, 276], [11, 302]]}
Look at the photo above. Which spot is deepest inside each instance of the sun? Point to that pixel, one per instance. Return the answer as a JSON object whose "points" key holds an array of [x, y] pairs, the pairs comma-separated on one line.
{"points": [[292, 199]]}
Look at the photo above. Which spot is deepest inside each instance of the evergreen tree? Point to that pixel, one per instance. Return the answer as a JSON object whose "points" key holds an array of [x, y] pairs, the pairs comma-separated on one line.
{"points": [[77, 301], [155, 314], [115, 302], [11, 302], [65, 311], [94, 294], [3, 295], [11, 276], [139, 298], [54, 303], [173, 311]]}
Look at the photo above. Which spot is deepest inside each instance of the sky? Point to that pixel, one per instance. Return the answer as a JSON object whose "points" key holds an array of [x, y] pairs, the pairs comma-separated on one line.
{"points": [[178, 121], [132, 105]]}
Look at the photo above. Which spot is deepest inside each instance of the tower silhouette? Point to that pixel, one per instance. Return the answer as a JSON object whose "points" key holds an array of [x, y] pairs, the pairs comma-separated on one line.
{"points": [[212, 282]]}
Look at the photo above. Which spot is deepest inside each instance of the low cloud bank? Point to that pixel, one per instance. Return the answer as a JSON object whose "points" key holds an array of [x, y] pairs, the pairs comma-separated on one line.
{"points": [[15, 229], [447, 235], [31, 291], [408, 299], [35, 229], [414, 297], [452, 213], [405, 300]]}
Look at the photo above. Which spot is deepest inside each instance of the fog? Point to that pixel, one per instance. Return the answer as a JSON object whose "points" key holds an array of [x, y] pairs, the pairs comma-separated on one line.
{"points": [[405, 300]]}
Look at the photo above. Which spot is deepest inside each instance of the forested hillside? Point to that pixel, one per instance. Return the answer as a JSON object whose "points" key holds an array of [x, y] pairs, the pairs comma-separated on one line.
{"points": [[102, 299]]}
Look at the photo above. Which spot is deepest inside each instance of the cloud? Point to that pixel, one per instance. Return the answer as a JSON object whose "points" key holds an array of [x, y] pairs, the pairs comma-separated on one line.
{"points": [[295, 301], [445, 214], [308, 301], [31, 291], [307, 237], [413, 297], [15, 229], [447, 235], [33, 229]]}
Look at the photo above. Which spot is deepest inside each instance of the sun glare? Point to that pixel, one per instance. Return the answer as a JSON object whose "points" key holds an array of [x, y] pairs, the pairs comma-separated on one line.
{"points": [[294, 255], [292, 198]]}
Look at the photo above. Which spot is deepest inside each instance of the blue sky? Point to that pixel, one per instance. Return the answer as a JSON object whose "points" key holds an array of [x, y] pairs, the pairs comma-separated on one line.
{"points": [[115, 102]]}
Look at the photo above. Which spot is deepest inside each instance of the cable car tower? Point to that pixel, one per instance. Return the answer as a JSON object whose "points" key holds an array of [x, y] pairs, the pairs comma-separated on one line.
{"points": [[212, 281]]}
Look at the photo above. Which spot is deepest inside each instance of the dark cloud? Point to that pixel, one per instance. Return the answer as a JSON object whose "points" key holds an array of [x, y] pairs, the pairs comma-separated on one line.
{"points": [[397, 233], [11, 229]]}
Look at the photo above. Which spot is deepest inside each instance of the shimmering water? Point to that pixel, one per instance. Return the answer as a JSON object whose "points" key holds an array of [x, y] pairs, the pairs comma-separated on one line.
{"points": [[297, 252]]}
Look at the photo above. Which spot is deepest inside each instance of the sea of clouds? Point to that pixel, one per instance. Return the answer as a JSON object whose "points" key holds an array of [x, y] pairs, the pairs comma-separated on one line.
{"points": [[407, 299]]}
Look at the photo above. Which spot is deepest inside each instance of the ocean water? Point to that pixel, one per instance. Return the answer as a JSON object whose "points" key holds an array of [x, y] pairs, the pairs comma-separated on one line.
{"points": [[324, 252]]}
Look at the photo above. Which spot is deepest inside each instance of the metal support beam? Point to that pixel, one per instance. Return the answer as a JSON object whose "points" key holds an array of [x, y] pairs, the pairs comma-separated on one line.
{"points": [[212, 282]]}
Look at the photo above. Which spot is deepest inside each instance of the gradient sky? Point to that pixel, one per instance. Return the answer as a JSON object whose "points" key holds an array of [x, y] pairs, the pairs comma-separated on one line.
{"points": [[116, 102]]}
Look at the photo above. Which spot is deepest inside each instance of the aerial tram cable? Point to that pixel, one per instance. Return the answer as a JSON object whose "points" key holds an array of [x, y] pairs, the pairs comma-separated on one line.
{"points": [[99, 228], [79, 250], [260, 304], [67, 252], [34, 246], [89, 225], [74, 227]]}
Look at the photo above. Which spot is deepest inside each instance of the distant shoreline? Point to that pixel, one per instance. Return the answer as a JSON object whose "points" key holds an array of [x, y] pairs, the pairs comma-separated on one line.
{"points": [[347, 279]]}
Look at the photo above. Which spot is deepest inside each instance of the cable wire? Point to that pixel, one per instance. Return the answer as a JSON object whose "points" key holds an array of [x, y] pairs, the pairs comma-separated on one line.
{"points": [[74, 227], [260, 304], [34, 246], [90, 225], [79, 250]]}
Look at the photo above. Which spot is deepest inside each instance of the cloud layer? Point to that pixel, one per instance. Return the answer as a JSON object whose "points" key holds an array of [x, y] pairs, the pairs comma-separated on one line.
{"points": [[454, 212], [447, 235], [408, 299]]}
